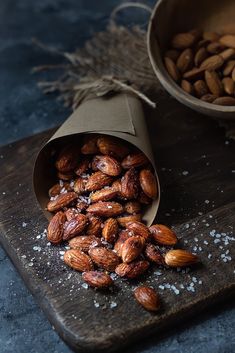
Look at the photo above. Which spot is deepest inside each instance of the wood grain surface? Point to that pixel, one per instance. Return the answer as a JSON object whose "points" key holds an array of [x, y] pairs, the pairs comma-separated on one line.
{"points": [[197, 170]]}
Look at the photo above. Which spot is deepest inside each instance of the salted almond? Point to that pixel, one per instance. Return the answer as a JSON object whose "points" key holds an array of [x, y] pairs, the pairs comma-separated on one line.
{"points": [[97, 181], [90, 145], [130, 218], [130, 184], [56, 228], [78, 260], [97, 279], [75, 226], [172, 54], [228, 40], [67, 159], [212, 63], [200, 56], [202, 44], [84, 242], [82, 167], [133, 269], [80, 185], [110, 230], [180, 258], [229, 85], [139, 228], [211, 36], [147, 297], [185, 60], [117, 185], [135, 160], [187, 87], [163, 235], [215, 48], [95, 225], [228, 54], [61, 201], [229, 67], [132, 248], [200, 88], [132, 207], [148, 183], [213, 82], [112, 146], [105, 194], [183, 40], [107, 165], [105, 209], [172, 69], [123, 236], [229, 101], [104, 258], [195, 74], [209, 98], [153, 254]]}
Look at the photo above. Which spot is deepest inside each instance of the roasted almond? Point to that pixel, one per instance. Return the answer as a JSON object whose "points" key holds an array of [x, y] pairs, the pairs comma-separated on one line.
{"points": [[56, 228], [117, 185], [130, 184], [90, 145], [82, 167], [172, 69], [183, 40], [97, 279], [106, 164], [212, 63], [148, 183], [187, 87], [211, 36], [104, 258], [139, 228], [67, 159], [133, 269], [110, 230], [200, 56], [58, 188], [70, 213], [132, 207], [112, 146], [123, 236], [200, 88], [228, 54], [105, 194], [80, 185], [185, 60], [215, 48], [163, 235], [195, 74], [180, 258], [228, 40], [213, 82], [105, 209], [135, 160], [228, 68], [209, 98], [147, 297], [61, 201], [127, 219], [84, 242], [75, 226], [153, 254], [95, 225], [97, 181], [172, 54], [233, 74], [229, 85], [78, 260], [229, 101], [132, 248]]}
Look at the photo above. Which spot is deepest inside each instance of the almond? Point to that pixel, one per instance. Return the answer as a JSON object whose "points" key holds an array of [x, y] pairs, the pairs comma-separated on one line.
{"points": [[229, 67], [78, 260], [229, 101], [70, 213], [75, 226], [106, 164], [229, 85], [195, 74], [105, 209], [103, 195], [213, 82], [163, 235], [212, 63], [67, 159], [57, 188], [200, 88], [112, 146], [123, 236], [56, 228], [80, 185], [228, 54], [134, 160], [228, 40], [139, 228], [132, 248], [82, 167], [233, 74], [127, 219], [172, 54], [97, 279], [84, 242], [110, 230], [144, 199], [185, 60], [200, 56], [104, 258], [132, 207], [130, 184], [172, 69], [180, 258], [147, 297], [148, 183], [211, 36], [133, 269], [183, 40], [153, 254], [215, 48], [97, 181], [90, 145], [63, 200], [187, 87], [209, 98], [94, 226], [117, 185], [65, 176]]}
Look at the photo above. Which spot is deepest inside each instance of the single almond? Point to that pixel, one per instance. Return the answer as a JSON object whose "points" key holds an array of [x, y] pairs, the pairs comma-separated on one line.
{"points": [[90, 145], [139, 228], [95, 226], [112, 146], [130, 184], [211, 36], [123, 236], [97, 279], [84, 242], [180, 258], [153, 254], [135, 160], [147, 297], [229, 85], [228, 54], [75, 226], [144, 199], [132, 207], [228, 40], [104, 258], [80, 185], [130, 218], [132, 248], [209, 98], [133, 269], [56, 228], [187, 87], [82, 167], [183, 40], [172, 69], [61, 201], [229, 67], [148, 183], [233, 74], [212, 63], [107, 165], [195, 74], [110, 230], [78, 260], [200, 56], [215, 48], [200, 88], [185, 60], [173, 54], [105, 194], [163, 235], [97, 181], [213, 82], [67, 159], [105, 209], [229, 101]]}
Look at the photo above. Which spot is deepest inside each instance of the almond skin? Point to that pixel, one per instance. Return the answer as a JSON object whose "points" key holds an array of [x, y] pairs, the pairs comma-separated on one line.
{"points": [[209, 98], [104, 258], [148, 298], [139, 228], [97, 279], [228, 54], [103, 195], [172, 69], [195, 74], [63, 200], [229, 85], [144, 199], [127, 219], [112, 146], [75, 226], [213, 82], [130, 184], [67, 159], [180, 258], [134, 160], [123, 236], [132, 207], [132, 248], [200, 88], [56, 228], [229, 101], [185, 60], [90, 145], [82, 167], [187, 87], [97, 181], [110, 230], [228, 40], [95, 226], [212, 63], [107, 165], [70, 213], [183, 40], [84, 242], [80, 185], [228, 68], [148, 183], [78, 260], [133, 269], [105, 209], [154, 255], [163, 235], [200, 56]]}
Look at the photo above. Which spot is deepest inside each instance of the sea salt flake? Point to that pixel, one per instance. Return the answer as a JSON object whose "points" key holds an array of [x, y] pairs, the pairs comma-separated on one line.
{"points": [[113, 305], [85, 285], [207, 201], [24, 224], [185, 172]]}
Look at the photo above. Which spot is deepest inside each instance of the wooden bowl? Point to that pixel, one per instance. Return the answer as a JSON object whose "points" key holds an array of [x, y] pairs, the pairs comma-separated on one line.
{"points": [[173, 16]]}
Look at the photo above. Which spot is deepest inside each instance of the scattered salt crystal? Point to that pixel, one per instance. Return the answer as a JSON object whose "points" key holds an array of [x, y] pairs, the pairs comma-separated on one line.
{"points": [[24, 224], [196, 240], [194, 279], [216, 241], [23, 256], [161, 286], [48, 244], [186, 226], [85, 285], [109, 206], [113, 305], [62, 252], [207, 201], [200, 282], [185, 172], [97, 305], [205, 242], [37, 248], [30, 264]]}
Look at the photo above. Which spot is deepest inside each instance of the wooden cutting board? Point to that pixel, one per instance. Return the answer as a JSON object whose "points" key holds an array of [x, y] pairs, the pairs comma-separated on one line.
{"points": [[197, 170]]}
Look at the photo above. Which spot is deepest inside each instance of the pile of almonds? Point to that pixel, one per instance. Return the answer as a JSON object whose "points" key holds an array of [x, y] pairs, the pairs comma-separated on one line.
{"points": [[103, 185], [203, 64]]}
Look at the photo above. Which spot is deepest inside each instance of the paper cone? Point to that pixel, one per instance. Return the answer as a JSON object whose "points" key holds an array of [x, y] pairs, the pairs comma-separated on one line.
{"points": [[121, 116]]}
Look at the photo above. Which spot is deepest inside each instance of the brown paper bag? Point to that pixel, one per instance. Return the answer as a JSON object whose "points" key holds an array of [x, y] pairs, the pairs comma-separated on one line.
{"points": [[121, 116]]}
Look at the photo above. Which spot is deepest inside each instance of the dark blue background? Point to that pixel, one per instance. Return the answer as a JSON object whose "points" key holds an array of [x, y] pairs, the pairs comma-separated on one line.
{"points": [[24, 110]]}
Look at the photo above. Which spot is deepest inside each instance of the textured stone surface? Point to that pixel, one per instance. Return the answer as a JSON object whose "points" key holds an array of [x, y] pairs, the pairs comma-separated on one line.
{"points": [[24, 111]]}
